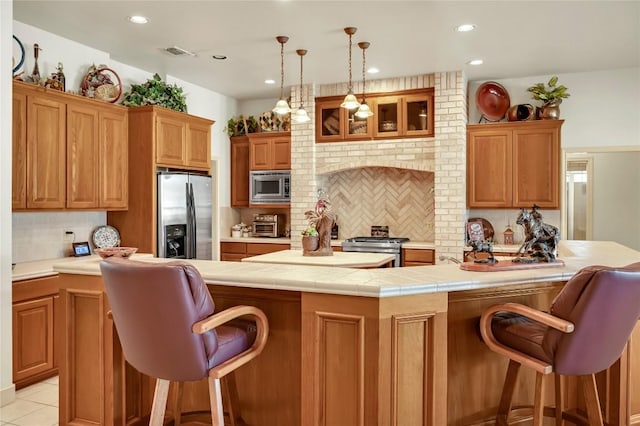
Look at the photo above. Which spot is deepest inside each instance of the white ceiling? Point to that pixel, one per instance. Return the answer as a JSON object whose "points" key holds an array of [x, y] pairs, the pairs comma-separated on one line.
{"points": [[514, 38]]}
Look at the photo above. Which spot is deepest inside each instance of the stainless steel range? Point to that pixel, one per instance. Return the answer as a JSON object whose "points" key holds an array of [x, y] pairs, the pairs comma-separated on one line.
{"points": [[376, 245]]}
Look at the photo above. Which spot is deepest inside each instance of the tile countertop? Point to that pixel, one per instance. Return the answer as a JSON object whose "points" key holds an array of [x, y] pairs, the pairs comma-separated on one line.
{"points": [[387, 282], [44, 268], [339, 259], [423, 245]]}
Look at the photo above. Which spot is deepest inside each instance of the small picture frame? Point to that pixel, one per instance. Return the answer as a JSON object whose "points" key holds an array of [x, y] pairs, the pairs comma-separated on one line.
{"points": [[475, 230], [81, 249]]}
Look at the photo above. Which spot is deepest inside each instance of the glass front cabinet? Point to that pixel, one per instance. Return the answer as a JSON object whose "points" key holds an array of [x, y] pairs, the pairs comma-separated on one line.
{"points": [[404, 114]]}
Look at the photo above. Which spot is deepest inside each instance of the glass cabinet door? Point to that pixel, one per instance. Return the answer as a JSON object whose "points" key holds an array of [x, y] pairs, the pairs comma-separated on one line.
{"points": [[328, 121], [357, 128], [418, 117], [387, 117]]}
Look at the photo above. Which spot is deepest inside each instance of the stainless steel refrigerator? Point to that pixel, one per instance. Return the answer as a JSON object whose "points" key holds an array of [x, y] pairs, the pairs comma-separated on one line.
{"points": [[184, 215]]}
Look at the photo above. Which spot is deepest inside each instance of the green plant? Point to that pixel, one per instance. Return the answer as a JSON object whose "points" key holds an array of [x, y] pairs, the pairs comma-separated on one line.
{"points": [[241, 125], [156, 92], [310, 231], [549, 93]]}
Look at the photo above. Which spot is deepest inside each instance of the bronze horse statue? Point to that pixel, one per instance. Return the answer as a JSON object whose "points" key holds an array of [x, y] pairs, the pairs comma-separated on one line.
{"points": [[483, 247], [541, 239]]}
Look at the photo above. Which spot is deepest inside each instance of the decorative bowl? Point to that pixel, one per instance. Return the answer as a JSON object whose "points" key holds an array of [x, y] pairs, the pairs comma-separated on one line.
{"points": [[492, 100], [116, 251]]}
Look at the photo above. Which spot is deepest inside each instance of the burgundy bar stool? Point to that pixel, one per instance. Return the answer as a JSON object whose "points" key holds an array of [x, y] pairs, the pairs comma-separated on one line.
{"points": [[585, 332], [164, 316]]}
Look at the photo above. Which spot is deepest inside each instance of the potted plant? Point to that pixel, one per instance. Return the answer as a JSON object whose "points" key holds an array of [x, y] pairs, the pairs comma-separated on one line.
{"points": [[551, 96], [156, 92], [310, 239], [241, 125]]}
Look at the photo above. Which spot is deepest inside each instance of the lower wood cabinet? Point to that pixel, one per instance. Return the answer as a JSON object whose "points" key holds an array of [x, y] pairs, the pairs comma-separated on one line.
{"points": [[236, 251], [35, 308], [418, 257]]}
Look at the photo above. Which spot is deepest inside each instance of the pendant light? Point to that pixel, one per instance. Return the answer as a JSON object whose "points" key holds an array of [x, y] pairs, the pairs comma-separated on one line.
{"points": [[282, 106], [350, 101], [364, 111], [301, 116]]}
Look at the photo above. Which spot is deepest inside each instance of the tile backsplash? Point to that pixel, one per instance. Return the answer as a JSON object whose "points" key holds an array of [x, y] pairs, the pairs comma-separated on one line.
{"points": [[38, 236]]}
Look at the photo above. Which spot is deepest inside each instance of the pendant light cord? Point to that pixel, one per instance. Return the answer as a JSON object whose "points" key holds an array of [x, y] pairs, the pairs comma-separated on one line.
{"points": [[364, 78], [281, 70], [350, 86], [301, 102]]}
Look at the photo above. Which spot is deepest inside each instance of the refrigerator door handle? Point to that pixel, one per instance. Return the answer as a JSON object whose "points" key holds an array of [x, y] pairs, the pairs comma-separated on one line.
{"points": [[191, 211], [188, 253]]}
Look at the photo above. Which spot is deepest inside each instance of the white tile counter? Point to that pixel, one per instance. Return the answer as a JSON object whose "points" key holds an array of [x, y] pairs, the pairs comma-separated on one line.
{"points": [[339, 259], [387, 282]]}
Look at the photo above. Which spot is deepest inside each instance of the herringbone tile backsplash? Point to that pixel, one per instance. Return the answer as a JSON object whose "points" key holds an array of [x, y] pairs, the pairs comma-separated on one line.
{"points": [[399, 198]]}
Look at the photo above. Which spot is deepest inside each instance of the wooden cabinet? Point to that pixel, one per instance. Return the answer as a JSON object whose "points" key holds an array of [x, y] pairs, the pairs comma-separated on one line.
{"points": [[336, 124], [403, 114], [34, 335], [514, 164], [236, 251], [270, 151], [69, 152], [182, 140], [97, 157], [240, 171], [160, 138], [418, 257]]}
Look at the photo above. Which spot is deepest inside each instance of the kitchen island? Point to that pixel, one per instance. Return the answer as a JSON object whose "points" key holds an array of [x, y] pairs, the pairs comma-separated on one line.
{"points": [[391, 346], [338, 259]]}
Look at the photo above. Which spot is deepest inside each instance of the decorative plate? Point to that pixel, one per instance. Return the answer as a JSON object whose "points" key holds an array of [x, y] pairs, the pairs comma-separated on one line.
{"points": [[492, 100], [105, 237]]}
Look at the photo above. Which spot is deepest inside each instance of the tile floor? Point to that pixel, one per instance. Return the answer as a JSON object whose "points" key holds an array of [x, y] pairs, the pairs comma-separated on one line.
{"points": [[35, 405]]}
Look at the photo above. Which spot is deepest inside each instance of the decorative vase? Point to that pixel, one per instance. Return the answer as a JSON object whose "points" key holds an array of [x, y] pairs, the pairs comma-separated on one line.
{"points": [[310, 243], [550, 110]]}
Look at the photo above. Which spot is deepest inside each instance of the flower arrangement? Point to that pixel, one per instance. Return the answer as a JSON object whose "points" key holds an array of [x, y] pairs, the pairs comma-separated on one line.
{"points": [[310, 231]]}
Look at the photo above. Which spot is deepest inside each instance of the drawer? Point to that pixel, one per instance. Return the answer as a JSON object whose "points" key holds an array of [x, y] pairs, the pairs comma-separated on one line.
{"points": [[232, 247], [420, 256], [254, 249], [231, 257]]}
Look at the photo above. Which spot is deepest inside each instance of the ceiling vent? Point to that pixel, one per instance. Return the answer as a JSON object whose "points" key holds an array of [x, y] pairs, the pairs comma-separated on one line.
{"points": [[178, 51]]}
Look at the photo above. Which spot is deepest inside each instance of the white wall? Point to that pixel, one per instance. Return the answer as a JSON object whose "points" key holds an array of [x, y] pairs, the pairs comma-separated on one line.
{"points": [[7, 390]]}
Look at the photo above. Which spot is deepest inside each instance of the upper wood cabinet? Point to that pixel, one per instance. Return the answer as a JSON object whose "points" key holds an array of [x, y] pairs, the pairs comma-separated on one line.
{"points": [[182, 140], [514, 164], [336, 124], [240, 171], [403, 114], [69, 152], [269, 151]]}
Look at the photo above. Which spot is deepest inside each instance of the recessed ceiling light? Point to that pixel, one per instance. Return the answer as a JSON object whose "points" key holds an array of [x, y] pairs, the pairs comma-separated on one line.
{"points": [[475, 62], [219, 57], [137, 19], [465, 28], [270, 81], [373, 70]]}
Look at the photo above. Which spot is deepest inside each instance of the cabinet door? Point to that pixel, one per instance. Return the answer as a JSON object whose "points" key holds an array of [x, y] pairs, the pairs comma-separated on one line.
{"points": [[240, 172], [281, 153], [416, 113], [46, 153], [113, 160], [328, 121], [32, 338], [82, 157], [19, 152], [489, 154], [536, 171], [260, 154], [198, 155], [387, 117], [356, 128], [171, 141]]}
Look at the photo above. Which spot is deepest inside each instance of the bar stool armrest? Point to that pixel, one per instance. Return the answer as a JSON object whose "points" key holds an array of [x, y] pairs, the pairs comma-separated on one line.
{"points": [[526, 311]]}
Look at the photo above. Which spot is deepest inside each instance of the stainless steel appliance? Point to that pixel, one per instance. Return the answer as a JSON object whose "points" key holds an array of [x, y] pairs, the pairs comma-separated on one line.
{"points": [[376, 245], [184, 215], [270, 187], [268, 225]]}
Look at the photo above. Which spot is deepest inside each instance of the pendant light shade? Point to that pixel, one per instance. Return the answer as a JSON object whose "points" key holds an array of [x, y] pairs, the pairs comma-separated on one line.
{"points": [[282, 106], [363, 110], [301, 116], [350, 101]]}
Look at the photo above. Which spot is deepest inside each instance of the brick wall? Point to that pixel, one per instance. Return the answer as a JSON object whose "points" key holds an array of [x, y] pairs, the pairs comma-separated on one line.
{"points": [[432, 170]]}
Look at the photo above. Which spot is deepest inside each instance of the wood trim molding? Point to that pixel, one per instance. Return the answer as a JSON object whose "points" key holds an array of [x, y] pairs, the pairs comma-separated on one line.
{"points": [[412, 349], [340, 364], [502, 292]]}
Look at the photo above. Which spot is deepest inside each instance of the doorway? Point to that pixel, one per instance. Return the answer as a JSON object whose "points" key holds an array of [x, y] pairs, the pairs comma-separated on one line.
{"points": [[579, 197]]}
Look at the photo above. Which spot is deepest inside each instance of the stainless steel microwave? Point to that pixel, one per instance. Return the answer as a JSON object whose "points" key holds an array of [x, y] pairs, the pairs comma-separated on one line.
{"points": [[270, 187]]}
